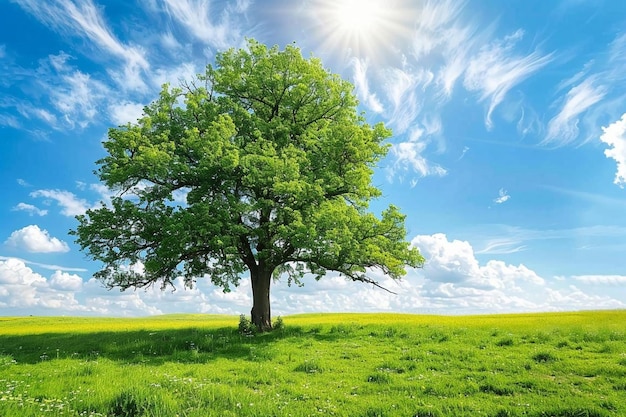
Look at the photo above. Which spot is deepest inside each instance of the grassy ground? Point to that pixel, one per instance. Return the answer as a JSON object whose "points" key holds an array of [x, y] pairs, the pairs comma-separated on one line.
{"points": [[561, 365]]}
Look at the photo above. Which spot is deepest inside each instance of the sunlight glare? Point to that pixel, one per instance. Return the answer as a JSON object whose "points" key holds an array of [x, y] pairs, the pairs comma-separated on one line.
{"points": [[361, 27], [357, 16]]}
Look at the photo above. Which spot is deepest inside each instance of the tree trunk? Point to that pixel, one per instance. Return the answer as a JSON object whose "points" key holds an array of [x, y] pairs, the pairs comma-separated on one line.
{"points": [[261, 315]]}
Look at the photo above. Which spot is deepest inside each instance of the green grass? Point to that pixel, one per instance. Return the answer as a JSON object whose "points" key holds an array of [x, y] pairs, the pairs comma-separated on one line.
{"points": [[539, 365]]}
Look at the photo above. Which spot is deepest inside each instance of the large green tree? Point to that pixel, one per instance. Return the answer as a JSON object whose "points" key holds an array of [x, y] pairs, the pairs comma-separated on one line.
{"points": [[276, 163]]}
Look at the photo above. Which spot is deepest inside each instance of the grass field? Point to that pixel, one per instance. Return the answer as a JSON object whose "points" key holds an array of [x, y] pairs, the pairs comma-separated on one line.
{"points": [[561, 365]]}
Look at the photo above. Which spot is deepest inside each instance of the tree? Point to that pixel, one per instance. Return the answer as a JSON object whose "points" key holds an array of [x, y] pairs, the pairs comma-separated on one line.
{"points": [[276, 164]]}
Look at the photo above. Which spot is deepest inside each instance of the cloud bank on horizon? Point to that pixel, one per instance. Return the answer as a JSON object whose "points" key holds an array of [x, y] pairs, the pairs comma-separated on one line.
{"points": [[508, 155]]}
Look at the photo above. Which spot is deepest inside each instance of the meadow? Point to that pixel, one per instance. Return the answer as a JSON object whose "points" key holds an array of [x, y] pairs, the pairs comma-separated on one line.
{"points": [[557, 364]]}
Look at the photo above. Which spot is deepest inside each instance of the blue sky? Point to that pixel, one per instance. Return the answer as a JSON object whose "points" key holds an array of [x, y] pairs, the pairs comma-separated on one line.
{"points": [[508, 155]]}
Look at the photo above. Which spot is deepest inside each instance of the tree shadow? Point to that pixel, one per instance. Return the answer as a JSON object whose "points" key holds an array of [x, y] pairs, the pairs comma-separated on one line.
{"points": [[186, 345]]}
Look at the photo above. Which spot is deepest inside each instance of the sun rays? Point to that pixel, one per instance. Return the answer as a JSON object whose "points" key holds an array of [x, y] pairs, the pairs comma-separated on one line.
{"points": [[361, 27]]}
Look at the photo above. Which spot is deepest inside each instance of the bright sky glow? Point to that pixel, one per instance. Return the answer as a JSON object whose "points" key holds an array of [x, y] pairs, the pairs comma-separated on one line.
{"points": [[365, 27], [508, 155], [358, 17]]}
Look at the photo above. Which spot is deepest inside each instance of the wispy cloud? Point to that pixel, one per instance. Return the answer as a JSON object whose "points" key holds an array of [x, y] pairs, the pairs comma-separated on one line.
{"points": [[502, 246], [79, 98], [198, 17], [593, 198], [361, 83], [85, 18], [503, 197], [10, 121], [615, 136], [30, 209], [402, 87], [436, 20], [51, 267], [601, 279], [499, 238], [409, 160], [465, 150], [563, 128], [594, 94], [497, 68], [449, 45], [70, 204]]}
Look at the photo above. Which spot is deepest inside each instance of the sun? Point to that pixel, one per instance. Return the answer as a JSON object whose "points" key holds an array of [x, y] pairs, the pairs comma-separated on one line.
{"points": [[360, 27], [357, 17]]}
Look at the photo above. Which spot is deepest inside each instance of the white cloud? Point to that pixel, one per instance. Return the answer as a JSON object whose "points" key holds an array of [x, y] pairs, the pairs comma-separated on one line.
{"points": [[361, 83], [601, 279], [70, 204], [453, 281], [502, 246], [198, 17], [436, 20], [30, 209], [458, 48], [503, 197], [51, 267], [455, 263], [573, 298], [497, 68], [614, 135], [33, 239], [173, 75], [79, 98], [402, 88], [42, 114], [20, 285], [563, 128], [125, 112], [85, 18], [10, 121], [65, 282], [169, 41], [409, 159]]}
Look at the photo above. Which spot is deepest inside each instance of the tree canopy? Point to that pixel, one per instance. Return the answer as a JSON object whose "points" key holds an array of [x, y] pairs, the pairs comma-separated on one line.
{"points": [[274, 162]]}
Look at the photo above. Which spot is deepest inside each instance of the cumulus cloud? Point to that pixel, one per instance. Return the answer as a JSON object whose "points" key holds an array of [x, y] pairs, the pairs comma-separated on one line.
{"points": [[20, 284], [615, 136], [30, 209], [65, 282], [453, 281], [454, 263], [33, 239]]}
